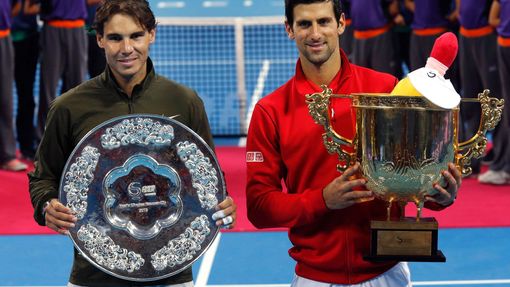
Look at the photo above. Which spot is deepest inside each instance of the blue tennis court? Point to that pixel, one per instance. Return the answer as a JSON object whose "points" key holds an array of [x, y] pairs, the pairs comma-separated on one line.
{"points": [[475, 257], [206, 58]]}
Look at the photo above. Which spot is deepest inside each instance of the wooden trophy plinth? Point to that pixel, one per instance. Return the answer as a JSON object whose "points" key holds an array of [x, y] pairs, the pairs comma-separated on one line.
{"points": [[405, 240]]}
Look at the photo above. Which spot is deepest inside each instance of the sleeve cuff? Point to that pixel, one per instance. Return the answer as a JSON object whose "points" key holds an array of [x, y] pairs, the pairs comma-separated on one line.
{"points": [[38, 212], [314, 203]]}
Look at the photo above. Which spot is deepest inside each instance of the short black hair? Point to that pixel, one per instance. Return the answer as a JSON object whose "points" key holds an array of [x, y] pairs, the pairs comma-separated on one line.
{"points": [[290, 4], [140, 10]]}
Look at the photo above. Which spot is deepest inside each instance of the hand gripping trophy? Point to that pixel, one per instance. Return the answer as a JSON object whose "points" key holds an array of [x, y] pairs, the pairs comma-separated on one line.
{"points": [[403, 141]]}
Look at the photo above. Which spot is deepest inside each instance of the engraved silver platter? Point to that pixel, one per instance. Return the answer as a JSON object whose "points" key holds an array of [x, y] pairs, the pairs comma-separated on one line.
{"points": [[144, 188]]}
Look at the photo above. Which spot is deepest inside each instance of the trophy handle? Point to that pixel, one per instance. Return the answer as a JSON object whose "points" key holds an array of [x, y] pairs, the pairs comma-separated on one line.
{"points": [[318, 107], [492, 109]]}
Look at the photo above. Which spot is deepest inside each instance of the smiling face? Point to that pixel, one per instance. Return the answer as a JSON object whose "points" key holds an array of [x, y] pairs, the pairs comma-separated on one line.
{"points": [[315, 31], [126, 45]]}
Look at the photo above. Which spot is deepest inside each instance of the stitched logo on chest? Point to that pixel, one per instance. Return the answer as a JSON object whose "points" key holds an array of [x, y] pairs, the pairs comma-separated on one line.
{"points": [[254, 156]]}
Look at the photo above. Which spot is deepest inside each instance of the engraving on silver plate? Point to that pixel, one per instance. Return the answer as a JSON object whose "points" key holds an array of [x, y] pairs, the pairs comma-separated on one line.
{"points": [[204, 175], [78, 178], [146, 209], [182, 248], [141, 131], [106, 253]]}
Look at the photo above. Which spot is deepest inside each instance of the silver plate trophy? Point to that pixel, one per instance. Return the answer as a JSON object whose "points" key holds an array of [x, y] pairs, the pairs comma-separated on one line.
{"points": [[144, 188]]}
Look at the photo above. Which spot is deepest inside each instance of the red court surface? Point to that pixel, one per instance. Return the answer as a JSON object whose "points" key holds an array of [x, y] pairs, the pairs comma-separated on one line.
{"points": [[477, 205]]}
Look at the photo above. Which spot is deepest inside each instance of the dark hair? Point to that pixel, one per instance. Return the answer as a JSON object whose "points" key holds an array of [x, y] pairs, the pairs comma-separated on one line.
{"points": [[290, 4], [138, 9]]}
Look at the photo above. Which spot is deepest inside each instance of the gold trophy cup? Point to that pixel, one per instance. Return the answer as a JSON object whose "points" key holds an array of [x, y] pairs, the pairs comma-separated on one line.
{"points": [[403, 143]]}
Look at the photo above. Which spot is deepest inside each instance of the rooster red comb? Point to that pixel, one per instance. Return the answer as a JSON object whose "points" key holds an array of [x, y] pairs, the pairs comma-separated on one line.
{"points": [[443, 53]]}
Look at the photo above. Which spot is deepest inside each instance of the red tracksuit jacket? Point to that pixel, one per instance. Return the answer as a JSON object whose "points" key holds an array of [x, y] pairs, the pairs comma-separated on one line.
{"points": [[285, 144]]}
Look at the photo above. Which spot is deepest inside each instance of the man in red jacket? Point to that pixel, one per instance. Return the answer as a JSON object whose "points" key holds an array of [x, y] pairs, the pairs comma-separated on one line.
{"points": [[328, 219]]}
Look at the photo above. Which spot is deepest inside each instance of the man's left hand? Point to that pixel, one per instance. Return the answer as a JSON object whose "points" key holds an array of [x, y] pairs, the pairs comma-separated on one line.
{"points": [[446, 194], [226, 215]]}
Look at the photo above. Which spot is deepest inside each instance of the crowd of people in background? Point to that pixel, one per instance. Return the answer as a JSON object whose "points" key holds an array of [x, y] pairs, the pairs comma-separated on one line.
{"points": [[66, 55], [393, 36]]}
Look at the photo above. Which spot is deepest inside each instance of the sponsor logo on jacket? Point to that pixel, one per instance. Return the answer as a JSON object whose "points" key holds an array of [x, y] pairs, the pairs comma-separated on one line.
{"points": [[254, 156]]}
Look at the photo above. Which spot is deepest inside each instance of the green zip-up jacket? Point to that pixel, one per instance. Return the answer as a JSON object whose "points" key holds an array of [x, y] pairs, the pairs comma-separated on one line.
{"points": [[78, 111]]}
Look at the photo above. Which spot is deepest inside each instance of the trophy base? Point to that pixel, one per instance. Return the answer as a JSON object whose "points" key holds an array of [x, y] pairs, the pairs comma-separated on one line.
{"points": [[438, 257], [405, 240]]}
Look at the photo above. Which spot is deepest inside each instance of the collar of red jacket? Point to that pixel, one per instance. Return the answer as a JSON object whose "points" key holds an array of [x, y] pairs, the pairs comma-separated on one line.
{"points": [[305, 86]]}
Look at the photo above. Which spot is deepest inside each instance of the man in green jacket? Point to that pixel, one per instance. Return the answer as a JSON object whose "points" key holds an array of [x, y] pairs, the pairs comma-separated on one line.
{"points": [[125, 29]]}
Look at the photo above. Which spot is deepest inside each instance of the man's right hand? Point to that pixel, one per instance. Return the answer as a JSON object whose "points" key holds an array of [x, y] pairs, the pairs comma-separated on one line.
{"points": [[339, 193], [59, 217]]}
